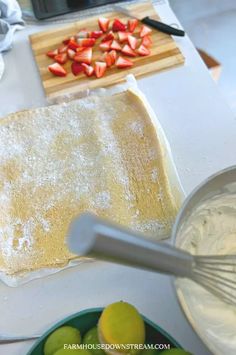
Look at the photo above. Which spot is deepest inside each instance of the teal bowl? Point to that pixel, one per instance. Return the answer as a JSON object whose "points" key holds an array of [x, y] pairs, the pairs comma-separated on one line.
{"points": [[88, 319]]}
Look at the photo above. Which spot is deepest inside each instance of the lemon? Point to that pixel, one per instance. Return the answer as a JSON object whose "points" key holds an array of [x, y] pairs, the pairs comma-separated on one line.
{"points": [[61, 336], [121, 324], [91, 338]]}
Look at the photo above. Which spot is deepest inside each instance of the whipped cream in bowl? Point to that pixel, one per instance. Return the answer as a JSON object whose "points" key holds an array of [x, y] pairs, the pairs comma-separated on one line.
{"points": [[206, 225]]}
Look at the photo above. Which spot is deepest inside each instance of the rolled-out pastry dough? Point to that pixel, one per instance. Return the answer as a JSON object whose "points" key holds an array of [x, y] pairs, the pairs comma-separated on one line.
{"points": [[100, 154]]}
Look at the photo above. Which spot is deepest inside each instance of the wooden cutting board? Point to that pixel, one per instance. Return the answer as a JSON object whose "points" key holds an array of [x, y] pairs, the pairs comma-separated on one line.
{"points": [[164, 54]]}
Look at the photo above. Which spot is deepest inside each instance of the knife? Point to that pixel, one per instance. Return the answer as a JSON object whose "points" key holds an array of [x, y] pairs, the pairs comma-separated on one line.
{"points": [[153, 23]]}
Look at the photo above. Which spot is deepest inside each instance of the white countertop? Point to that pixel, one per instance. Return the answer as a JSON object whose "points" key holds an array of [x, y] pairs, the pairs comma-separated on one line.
{"points": [[202, 133]]}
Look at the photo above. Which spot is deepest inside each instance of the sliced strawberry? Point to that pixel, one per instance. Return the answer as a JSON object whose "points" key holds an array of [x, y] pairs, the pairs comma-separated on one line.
{"points": [[108, 37], [76, 68], [52, 54], [127, 50], [108, 59], [143, 50], [123, 36], [144, 31], [61, 58], [100, 68], [132, 42], [133, 23], [82, 33], [62, 49], [67, 40], [73, 44], [103, 23], [105, 46], [147, 41], [115, 45], [88, 69], [86, 42], [71, 53], [84, 56], [118, 25], [113, 56], [95, 34], [123, 63], [57, 69]]}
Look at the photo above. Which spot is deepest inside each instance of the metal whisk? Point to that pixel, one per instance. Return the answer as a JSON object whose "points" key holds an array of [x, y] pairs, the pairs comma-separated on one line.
{"points": [[92, 236]]}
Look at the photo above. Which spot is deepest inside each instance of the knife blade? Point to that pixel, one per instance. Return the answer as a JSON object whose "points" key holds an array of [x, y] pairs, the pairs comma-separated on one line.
{"points": [[163, 27]]}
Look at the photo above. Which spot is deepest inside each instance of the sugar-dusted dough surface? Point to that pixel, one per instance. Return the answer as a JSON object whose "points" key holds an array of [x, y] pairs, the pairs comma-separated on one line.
{"points": [[99, 154]]}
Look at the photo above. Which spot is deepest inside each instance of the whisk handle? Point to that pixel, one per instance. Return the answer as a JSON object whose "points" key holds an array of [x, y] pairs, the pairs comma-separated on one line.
{"points": [[95, 237]]}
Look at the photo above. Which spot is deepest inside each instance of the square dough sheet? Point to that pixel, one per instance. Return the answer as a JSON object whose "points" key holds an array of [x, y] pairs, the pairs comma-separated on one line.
{"points": [[100, 154]]}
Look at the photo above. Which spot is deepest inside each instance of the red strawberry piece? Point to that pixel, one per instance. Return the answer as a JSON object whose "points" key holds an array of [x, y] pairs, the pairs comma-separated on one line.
{"points": [[108, 59], [143, 50], [76, 68], [115, 45], [123, 36], [132, 42], [82, 33], [67, 40], [113, 56], [61, 58], [100, 68], [133, 23], [95, 34], [88, 69], [71, 53], [123, 63], [144, 31], [62, 49], [147, 42], [57, 69], [86, 42], [128, 51], [105, 46], [103, 23], [52, 54], [118, 25], [108, 37], [73, 44], [84, 56]]}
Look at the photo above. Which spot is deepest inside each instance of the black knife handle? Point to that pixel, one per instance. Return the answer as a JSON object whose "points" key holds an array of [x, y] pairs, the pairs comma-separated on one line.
{"points": [[163, 27]]}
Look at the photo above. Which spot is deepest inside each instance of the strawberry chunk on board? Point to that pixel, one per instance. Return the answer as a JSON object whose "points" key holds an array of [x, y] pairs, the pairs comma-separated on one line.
{"points": [[100, 68], [108, 59], [67, 40], [147, 41], [73, 44], [57, 69], [95, 34], [88, 69], [61, 58], [105, 46], [143, 50], [127, 50], [144, 31], [115, 45], [118, 25], [71, 53], [113, 56], [103, 23], [122, 63], [86, 42], [62, 49], [132, 41], [77, 68], [123, 36], [132, 24], [52, 54], [108, 37], [84, 55]]}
